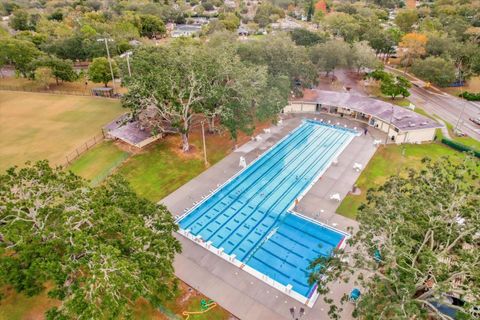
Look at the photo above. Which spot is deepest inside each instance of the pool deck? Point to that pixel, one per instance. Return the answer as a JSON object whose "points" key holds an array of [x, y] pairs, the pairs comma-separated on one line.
{"points": [[240, 293]]}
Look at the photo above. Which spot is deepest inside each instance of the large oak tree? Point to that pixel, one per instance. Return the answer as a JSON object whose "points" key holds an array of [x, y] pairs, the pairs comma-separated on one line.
{"points": [[174, 86], [102, 248], [417, 245]]}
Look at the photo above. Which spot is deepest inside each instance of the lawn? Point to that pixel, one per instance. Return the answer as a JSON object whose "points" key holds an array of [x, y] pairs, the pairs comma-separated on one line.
{"points": [[388, 161], [97, 164], [35, 126], [162, 167]]}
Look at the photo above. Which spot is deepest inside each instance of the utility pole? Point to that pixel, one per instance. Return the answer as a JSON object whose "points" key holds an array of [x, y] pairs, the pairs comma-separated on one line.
{"points": [[128, 66], [109, 60], [204, 145], [127, 55], [389, 126]]}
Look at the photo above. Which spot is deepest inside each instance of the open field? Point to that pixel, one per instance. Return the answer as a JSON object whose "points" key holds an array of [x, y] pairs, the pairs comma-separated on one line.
{"points": [[99, 162], [392, 160], [35, 126]]}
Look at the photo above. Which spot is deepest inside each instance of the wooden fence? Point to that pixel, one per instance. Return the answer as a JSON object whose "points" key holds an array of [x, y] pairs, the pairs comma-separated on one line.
{"points": [[84, 93]]}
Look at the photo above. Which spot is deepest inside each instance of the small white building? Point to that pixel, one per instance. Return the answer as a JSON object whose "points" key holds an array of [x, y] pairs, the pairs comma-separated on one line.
{"points": [[401, 124], [185, 30]]}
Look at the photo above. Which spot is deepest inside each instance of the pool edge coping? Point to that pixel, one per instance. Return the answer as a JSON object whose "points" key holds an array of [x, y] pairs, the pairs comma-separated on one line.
{"points": [[313, 294]]}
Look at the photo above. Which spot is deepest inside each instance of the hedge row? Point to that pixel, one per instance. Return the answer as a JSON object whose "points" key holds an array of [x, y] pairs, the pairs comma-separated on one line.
{"points": [[470, 96], [460, 147]]}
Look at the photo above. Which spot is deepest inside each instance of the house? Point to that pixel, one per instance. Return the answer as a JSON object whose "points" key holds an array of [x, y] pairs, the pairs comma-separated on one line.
{"points": [[243, 30], [401, 125], [286, 24], [186, 30]]}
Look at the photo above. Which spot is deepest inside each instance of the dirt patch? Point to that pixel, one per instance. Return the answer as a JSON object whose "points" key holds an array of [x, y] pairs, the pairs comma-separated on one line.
{"points": [[190, 299], [127, 147]]}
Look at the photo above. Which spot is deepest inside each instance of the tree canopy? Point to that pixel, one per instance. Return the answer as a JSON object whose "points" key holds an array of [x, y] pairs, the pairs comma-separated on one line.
{"points": [[435, 70], [406, 18], [173, 85], [20, 53], [282, 58], [99, 70], [331, 55], [151, 26], [303, 37], [61, 69], [417, 245], [391, 85], [102, 247]]}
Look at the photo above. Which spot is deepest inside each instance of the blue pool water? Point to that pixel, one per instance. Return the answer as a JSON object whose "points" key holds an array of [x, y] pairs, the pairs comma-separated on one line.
{"points": [[249, 216]]}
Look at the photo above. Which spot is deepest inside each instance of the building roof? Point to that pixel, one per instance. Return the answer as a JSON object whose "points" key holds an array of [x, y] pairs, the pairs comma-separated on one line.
{"points": [[286, 24], [186, 30], [402, 118], [129, 131]]}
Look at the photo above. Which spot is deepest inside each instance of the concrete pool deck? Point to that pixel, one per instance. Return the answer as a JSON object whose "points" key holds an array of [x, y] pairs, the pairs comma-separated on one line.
{"points": [[243, 295]]}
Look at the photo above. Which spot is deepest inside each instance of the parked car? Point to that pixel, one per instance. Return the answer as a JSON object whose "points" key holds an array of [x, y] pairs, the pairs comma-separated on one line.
{"points": [[475, 120], [460, 133]]}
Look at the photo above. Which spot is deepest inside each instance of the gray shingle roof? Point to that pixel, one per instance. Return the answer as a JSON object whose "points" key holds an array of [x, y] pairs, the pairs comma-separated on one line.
{"points": [[403, 119]]}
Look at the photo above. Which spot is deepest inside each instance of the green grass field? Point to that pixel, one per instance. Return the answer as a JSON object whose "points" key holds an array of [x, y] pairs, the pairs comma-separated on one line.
{"points": [[97, 164], [36, 126], [392, 160], [162, 168]]}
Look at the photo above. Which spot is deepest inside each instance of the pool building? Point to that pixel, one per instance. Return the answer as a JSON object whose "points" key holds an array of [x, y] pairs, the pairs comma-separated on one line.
{"points": [[251, 221], [402, 125]]}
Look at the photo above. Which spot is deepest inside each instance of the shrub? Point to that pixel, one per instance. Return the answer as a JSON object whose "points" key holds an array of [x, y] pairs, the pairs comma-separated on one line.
{"points": [[470, 96], [460, 147]]}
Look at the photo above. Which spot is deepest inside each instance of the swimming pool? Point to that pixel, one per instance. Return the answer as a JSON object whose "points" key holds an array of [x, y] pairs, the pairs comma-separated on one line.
{"points": [[250, 219]]}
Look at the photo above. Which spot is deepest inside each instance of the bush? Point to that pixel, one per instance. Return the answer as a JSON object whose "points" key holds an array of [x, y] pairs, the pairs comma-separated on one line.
{"points": [[460, 147], [304, 37], [208, 6], [470, 96]]}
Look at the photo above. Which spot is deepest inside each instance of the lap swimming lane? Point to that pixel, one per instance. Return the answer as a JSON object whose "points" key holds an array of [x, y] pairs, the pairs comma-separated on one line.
{"points": [[249, 217]]}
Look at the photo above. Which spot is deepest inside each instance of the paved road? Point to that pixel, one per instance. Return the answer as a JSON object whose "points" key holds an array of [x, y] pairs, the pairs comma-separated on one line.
{"points": [[448, 107]]}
